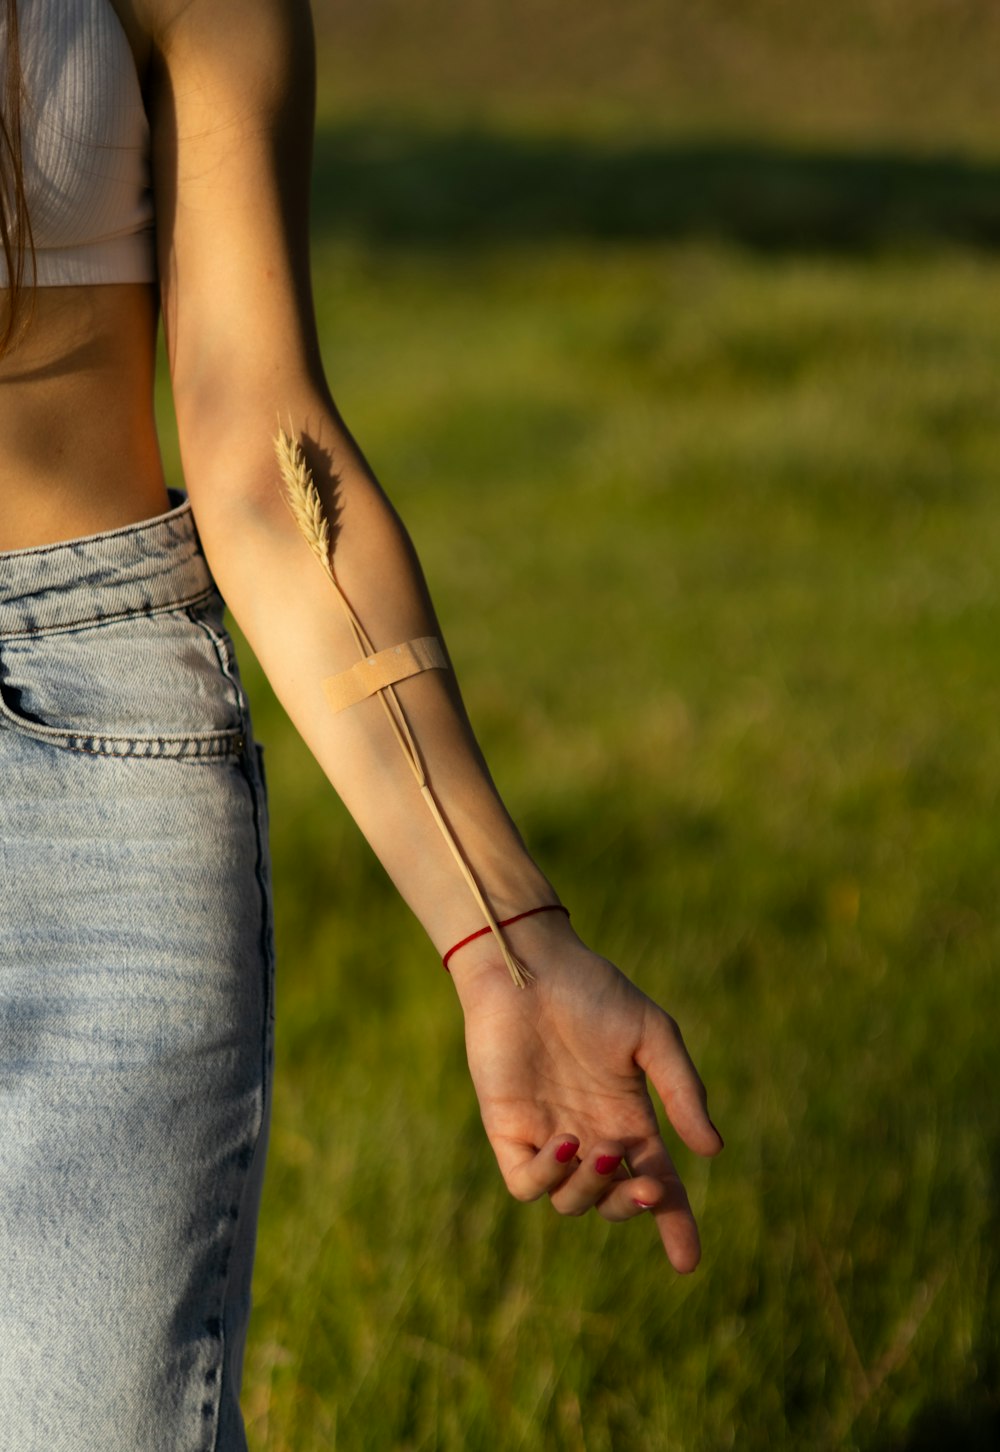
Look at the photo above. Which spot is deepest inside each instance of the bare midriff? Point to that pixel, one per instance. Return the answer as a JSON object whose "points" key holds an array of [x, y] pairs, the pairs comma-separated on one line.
{"points": [[78, 445]]}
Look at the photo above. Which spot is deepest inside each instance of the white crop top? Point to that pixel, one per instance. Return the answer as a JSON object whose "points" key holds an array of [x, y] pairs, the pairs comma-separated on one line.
{"points": [[85, 143]]}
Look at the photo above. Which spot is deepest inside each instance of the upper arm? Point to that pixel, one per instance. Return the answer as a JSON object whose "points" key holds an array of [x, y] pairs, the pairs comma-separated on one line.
{"points": [[232, 116]]}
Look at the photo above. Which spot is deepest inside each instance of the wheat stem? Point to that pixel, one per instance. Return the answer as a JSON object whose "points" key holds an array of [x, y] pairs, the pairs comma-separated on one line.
{"points": [[303, 499]]}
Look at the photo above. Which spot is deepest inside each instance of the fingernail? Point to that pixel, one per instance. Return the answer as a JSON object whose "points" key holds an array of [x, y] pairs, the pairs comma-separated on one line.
{"points": [[566, 1151], [644, 1204], [604, 1164]]}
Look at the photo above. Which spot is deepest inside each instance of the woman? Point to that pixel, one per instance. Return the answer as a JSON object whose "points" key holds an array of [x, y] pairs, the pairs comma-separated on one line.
{"points": [[135, 953]]}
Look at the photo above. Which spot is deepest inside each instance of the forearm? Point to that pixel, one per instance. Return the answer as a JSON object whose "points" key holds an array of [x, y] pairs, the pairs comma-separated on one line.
{"points": [[290, 613]]}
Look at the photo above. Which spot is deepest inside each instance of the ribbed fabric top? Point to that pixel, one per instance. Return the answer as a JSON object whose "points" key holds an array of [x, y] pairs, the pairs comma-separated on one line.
{"points": [[85, 141]]}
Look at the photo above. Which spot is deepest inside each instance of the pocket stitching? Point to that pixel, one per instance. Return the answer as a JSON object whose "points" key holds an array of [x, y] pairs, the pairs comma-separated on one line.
{"points": [[170, 745], [224, 656], [188, 602], [195, 746]]}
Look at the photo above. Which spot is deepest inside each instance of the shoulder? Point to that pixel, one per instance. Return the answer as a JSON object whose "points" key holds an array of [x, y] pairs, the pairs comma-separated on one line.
{"points": [[232, 82], [164, 20], [268, 38]]}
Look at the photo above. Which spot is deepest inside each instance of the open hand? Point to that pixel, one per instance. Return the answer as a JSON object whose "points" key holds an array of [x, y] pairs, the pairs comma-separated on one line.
{"points": [[560, 1069]]}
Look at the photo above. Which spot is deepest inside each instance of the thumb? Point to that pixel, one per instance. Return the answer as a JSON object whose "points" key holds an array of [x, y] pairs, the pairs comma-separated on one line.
{"points": [[664, 1059]]}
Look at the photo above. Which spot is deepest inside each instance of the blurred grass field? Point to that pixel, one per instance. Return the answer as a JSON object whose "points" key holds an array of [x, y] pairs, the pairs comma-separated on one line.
{"points": [[691, 380]]}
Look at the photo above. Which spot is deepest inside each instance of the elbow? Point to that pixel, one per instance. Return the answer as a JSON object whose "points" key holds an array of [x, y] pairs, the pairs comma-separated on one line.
{"points": [[227, 435]]}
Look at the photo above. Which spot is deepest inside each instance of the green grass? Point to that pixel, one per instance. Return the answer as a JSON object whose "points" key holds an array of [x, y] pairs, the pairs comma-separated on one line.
{"points": [[736, 462]]}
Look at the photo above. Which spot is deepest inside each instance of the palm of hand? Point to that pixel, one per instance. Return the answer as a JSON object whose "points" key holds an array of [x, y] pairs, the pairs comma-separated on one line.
{"points": [[566, 1059]]}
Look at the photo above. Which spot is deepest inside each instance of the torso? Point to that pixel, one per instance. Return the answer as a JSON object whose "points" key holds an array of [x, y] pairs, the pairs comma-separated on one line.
{"points": [[79, 450]]}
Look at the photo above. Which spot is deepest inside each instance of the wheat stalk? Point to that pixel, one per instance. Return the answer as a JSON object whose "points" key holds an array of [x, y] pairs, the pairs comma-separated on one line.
{"points": [[306, 506]]}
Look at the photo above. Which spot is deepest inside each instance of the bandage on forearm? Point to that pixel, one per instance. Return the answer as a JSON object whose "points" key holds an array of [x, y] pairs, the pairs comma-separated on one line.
{"points": [[385, 668]]}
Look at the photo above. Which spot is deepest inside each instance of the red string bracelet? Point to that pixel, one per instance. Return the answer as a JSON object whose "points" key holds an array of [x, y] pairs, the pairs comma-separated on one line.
{"points": [[548, 907]]}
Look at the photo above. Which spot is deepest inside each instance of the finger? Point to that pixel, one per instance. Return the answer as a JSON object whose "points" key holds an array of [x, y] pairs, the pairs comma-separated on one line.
{"points": [[591, 1180], [663, 1057], [529, 1173], [628, 1198], [674, 1217]]}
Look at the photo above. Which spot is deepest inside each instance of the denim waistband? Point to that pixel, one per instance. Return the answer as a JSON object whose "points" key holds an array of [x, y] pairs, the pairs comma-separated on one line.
{"points": [[152, 565]]}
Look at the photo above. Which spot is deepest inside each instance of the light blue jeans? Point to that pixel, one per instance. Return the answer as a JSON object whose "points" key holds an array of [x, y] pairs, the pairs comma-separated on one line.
{"points": [[136, 968]]}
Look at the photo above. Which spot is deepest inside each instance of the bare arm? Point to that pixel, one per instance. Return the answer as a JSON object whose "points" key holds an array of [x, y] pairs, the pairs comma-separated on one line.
{"points": [[232, 181], [233, 117]]}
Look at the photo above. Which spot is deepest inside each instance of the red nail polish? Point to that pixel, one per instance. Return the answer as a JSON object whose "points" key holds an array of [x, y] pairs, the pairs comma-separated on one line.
{"points": [[565, 1152], [644, 1204], [605, 1164]]}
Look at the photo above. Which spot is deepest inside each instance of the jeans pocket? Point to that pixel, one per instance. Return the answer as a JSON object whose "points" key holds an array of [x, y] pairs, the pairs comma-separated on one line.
{"points": [[158, 684]]}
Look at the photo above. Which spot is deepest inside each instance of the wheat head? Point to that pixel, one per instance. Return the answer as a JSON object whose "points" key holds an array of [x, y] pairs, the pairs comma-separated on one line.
{"points": [[302, 497]]}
